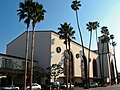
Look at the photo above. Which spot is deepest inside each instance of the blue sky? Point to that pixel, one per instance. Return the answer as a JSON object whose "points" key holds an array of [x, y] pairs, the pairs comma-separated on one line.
{"points": [[106, 12]]}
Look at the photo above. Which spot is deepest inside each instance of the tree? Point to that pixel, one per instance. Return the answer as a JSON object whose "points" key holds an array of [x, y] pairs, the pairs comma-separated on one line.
{"points": [[55, 70], [37, 15], [105, 39], [25, 13], [75, 6], [114, 44], [71, 36], [66, 32], [97, 25], [34, 11], [38, 74], [90, 26]]}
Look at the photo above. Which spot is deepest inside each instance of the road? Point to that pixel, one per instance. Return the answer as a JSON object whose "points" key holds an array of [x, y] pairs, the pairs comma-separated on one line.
{"points": [[113, 87]]}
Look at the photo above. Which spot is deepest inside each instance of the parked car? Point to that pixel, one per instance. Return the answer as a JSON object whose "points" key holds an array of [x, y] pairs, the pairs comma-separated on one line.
{"points": [[53, 85], [9, 87], [91, 84], [64, 85], [35, 86]]}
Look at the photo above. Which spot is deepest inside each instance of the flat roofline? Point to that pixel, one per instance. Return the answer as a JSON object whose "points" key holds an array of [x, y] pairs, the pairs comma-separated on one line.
{"points": [[52, 32], [29, 31]]}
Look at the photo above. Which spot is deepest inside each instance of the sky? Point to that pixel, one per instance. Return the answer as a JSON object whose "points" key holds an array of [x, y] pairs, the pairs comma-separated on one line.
{"points": [[106, 12]]}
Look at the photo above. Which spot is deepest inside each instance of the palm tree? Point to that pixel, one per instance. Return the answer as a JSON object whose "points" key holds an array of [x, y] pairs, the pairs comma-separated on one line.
{"points": [[37, 16], [105, 39], [71, 36], [112, 37], [24, 12], [114, 44], [66, 32], [75, 6], [91, 26], [97, 25]]}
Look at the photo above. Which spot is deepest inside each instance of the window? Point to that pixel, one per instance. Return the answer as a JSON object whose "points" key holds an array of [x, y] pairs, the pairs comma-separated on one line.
{"points": [[58, 49], [6, 63], [77, 56]]}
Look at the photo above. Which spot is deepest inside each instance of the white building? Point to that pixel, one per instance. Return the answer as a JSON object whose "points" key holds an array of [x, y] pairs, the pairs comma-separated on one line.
{"points": [[49, 49]]}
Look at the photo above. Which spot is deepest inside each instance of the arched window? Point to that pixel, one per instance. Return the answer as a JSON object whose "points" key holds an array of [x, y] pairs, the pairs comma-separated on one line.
{"points": [[69, 65], [95, 73], [112, 72]]}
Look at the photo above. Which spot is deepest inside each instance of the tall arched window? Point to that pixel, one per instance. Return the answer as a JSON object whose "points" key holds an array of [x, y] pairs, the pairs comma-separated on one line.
{"points": [[95, 73], [69, 65], [112, 72]]}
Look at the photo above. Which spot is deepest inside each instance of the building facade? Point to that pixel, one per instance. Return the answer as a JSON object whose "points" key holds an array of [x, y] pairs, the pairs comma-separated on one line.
{"points": [[12, 69], [107, 62], [50, 49]]}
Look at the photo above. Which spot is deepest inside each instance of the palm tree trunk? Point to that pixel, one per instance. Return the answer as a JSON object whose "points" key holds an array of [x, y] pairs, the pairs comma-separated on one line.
{"points": [[99, 63], [89, 54], [26, 58], [80, 32], [102, 64], [66, 43], [66, 66], [109, 61], [115, 63], [69, 63], [32, 57], [84, 57], [96, 36]]}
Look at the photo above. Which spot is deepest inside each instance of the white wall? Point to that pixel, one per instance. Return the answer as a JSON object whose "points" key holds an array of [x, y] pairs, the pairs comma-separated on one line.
{"points": [[75, 49]]}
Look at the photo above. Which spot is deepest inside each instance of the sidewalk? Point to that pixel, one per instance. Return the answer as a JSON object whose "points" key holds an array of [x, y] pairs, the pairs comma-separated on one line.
{"points": [[76, 88]]}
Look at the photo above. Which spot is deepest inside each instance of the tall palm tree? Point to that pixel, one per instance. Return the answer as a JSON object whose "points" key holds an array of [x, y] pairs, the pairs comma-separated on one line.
{"points": [[114, 44], [105, 39], [24, 12], [97, 25], [104, 30], [75, 6], [71, 36], [37, 16], [67, 33], [91, 26]]}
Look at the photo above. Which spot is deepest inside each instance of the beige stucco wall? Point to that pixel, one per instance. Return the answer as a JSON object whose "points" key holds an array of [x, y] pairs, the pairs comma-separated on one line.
{"points": [[57, 57], [93, 56], [75, 49]]}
